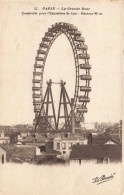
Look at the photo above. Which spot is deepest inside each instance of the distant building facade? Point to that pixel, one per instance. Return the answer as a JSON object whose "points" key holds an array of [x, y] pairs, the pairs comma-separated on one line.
{"points": [[4, 139], [64, 145]]}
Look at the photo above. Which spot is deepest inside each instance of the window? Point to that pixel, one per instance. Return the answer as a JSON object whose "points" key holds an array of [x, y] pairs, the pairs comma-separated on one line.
{"points": [[58, 146], [70, 145], [64, 152], [63, 145], [42, 148]]}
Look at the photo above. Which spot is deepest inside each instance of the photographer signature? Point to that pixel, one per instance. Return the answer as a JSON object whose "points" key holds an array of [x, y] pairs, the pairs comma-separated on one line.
{"points": [[103, 178]]}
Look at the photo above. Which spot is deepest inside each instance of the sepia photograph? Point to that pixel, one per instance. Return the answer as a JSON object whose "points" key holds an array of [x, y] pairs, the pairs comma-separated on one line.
{"points": [[61, 98]]}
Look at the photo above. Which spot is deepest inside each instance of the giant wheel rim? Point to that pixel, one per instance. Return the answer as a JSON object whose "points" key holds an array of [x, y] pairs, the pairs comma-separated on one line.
{"points": [[81, 59]]}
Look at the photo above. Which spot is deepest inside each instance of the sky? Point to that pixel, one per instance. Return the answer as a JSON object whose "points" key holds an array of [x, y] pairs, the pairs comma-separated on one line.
{"points": [[20, 38]]}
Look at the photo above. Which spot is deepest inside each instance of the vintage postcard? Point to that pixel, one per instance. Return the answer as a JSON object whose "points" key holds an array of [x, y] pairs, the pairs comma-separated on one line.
{"points": [[61, 97]]}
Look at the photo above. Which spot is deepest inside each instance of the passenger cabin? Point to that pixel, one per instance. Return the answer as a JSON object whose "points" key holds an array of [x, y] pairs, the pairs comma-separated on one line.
{"points": [[85, 88], [86, 77], [83, 99], [82, 46], [85, 66]]}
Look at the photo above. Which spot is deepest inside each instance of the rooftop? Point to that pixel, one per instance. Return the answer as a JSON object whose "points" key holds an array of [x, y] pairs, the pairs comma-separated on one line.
{"points": [[104, 139], [29, 139], [71, 137], [27, 152], [96, 152]]}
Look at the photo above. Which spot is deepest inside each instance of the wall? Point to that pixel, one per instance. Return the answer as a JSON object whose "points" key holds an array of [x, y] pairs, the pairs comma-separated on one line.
{"points": [[4, 141], [77, 162], [2, 152], [65, 152]]}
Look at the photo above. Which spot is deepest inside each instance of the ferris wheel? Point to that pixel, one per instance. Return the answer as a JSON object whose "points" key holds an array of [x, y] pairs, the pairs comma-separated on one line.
{"points": [[82, 69]]}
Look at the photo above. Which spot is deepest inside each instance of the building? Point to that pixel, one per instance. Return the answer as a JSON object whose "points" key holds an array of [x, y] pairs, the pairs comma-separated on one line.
{"points": [[29, 140], [2, 155], [23, 135], [25, 153], [49, 158], [100, 139], [64, 144], [88, 125], [4, 139], [95, 153], [34, 154]]}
